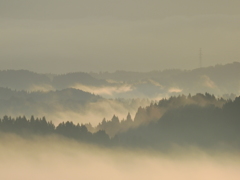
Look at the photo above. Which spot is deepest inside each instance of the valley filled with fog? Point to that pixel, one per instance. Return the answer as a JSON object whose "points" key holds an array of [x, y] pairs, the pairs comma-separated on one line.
{"points": [[119, 89], [60, 158], [122, 125]]}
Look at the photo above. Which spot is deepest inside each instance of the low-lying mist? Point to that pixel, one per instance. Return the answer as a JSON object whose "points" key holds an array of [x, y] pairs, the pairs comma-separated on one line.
{"points": [[66, 105], [92, 112], [155, 85], [54, 157]]}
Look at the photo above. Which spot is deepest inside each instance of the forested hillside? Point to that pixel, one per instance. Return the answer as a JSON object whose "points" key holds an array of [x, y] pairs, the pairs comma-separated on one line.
{"points": [[200, 120]]}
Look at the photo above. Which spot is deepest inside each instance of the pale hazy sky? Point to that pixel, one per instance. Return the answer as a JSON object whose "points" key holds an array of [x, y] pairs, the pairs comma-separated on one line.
{"points": [[60, 36]]}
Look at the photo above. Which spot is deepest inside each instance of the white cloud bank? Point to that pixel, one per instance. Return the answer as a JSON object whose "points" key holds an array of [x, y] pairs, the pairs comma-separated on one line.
{"points": [[56, 158]]}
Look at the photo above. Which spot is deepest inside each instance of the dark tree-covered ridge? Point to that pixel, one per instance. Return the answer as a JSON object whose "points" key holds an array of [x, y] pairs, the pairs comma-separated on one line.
{"points": [[40, 126], [155, 111], [190, 125], [209, 125]]}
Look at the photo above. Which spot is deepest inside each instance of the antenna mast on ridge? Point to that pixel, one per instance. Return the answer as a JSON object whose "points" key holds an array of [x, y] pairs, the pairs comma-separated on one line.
{"points": [[200, 58]]}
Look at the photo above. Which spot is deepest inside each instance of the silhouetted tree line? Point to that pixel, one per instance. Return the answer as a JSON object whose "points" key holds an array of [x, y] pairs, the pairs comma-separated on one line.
{"points": [[40, 126], [210, 123], [154, 112], [206, 126], [202, 120], [113, 126]]}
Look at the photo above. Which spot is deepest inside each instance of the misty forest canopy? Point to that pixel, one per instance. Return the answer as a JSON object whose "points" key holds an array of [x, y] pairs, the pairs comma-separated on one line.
{"points": [[39, 126], [185, 115], [15, 103], [121, 89], [155, 111], [59, 105], [89, 97], [200, 120]]}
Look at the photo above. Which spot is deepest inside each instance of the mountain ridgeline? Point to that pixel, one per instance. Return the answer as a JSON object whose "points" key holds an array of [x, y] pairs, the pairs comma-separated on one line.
{"points": [[200, 120], [14, 102], [218, 80], [155, 111], [64, 105], [206, 126], [39, 126]]}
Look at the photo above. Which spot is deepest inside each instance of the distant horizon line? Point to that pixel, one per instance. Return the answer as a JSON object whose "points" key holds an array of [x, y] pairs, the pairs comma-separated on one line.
{"points": [[112, 72]]}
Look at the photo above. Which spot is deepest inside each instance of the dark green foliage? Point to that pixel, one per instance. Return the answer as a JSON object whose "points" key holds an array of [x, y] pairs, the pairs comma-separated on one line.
{"points": [[155, 111], [200, 120], [23, 126], [192, 124], [71, 130]]}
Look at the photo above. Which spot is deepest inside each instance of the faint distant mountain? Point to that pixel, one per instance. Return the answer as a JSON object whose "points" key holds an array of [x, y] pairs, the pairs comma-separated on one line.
{"points": [[218, 80], [58, 95], [74, 79], [22, 79], [221, 73], [27, 80]]}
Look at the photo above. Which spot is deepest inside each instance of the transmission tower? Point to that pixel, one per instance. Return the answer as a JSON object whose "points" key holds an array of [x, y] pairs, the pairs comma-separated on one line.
{"points": [[200, 58]]}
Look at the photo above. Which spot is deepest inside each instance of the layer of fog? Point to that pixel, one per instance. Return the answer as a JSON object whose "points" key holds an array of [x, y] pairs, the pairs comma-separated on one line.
{"points": [[95, 112], [218, 80], [147, 89], [105, 43], [59, 158], [120, 9], [92, 112], [105, 91]]}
